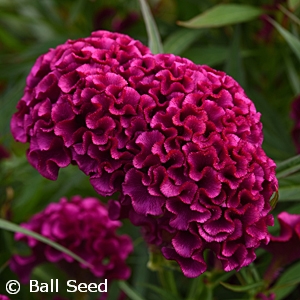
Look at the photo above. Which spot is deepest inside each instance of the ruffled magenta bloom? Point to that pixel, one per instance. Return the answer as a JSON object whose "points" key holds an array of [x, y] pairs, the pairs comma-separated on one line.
{"points": [[284, 248], [82, 226], [181, 143]]}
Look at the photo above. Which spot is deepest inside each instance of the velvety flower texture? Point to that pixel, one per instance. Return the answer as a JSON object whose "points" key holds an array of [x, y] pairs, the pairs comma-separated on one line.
{"points": [[82, 226], [284, 248], [181, 143]]}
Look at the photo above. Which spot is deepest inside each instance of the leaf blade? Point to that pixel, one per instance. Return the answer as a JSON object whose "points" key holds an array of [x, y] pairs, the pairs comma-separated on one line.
{"points": [[293, 4], [155, 43], [129, 291], [291, 40], [288, 166], [6, 225], [242, 288], [180, 40], [223, 14]]}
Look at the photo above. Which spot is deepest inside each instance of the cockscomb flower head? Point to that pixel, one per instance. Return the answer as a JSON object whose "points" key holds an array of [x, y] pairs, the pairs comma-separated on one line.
{"points": [[81, 225], [181, 143]]}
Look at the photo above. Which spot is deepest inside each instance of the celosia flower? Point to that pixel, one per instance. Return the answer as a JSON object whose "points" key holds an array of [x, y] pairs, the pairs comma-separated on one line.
{"points": [[82, 226], [180, 142], [284, 248], [295, 115]]}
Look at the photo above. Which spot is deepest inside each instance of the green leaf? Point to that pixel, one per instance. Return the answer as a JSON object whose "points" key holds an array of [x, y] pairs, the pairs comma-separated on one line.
{"points": [[207, 55], [242, 288], [293, 4], [155, 44], [288, 167], [293, 17], [6, 225], [234, 65], [292, 74], [223, 14], [75, 10], [129, 291], [274, 200], [289, 193], [166, 295], [287, 282], [180, 40], [292, 41]]}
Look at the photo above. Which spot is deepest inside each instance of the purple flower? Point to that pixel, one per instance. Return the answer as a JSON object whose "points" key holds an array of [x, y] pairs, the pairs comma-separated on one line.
{"points": [[3, 297], [284, 248], [180, 142], [82, 226]]}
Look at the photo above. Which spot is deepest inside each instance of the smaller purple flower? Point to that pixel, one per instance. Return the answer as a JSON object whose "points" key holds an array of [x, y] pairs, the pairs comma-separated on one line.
{"points": [[82, 226], [3, 297], [285, 248]]}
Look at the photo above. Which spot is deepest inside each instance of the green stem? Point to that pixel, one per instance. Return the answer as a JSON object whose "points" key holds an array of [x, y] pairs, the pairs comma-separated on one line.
{"points": [[195, 289], [240, 278], [167, 280], [254, 272]]}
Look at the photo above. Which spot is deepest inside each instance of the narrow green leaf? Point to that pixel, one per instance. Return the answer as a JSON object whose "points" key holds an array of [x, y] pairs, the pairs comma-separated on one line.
{"points": [[207, 55], [287, 282], [274, 200], [292, 74], [166, 295], [223, 14], [292, 41], [133, 295], [242, 288], [293, 4], [6, 225], [9, 40], [181, 40], [289, 193], [155, 44], [288, 167], [293, 17], [75, 10], [234, 65], [195, 288]]}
